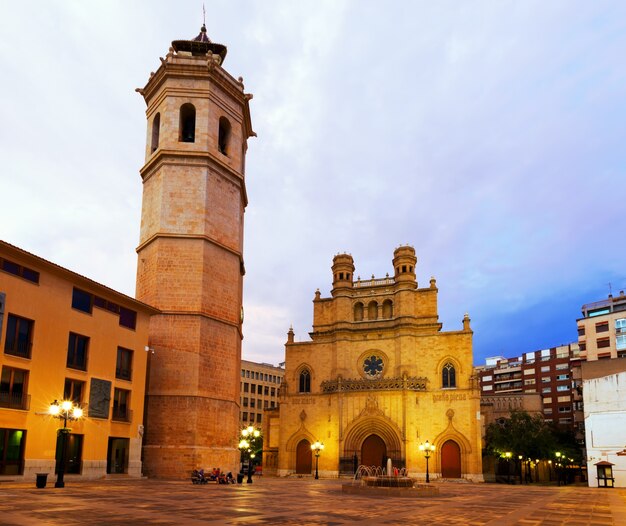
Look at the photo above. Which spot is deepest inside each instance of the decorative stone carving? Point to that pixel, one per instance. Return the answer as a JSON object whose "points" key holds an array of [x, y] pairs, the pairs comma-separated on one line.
{"points": [[371, 407], [411, 383], [99, 398]]}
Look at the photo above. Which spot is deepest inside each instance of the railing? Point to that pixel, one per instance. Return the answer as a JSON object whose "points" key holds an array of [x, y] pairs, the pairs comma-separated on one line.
{"points": [[122, 415], [508, 387], [506, 378], [123, 373], [373, 282], [411, 383], [17, 348], [15, 400]]}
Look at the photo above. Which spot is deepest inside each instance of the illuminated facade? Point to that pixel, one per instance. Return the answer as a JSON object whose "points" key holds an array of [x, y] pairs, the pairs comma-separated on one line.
{"points": [[378, 378], [64, 336]]}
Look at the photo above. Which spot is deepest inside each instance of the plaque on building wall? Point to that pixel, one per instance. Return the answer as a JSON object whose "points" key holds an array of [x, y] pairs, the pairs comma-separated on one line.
{"points": [[99, 398]]}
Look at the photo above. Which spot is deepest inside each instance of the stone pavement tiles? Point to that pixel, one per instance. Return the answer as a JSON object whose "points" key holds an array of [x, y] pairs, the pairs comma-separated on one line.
{"points": [[270, 501]]}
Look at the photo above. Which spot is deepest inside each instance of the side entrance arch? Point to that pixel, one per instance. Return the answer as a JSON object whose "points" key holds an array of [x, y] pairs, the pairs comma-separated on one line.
{"points": [[373, 451], [304, 461], [450, 460]]}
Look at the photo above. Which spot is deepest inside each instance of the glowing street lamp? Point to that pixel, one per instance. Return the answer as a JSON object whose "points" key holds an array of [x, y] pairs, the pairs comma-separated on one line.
{"points": [[65, 411], [427, 448], [247, 443], [317, 447], [559, 468]]}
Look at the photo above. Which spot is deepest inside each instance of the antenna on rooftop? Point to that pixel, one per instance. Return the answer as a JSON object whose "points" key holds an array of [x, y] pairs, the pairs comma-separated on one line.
{"points": [[203, 15]]}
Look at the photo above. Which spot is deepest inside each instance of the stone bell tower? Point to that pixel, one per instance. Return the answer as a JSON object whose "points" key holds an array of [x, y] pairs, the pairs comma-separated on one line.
{"points": [[190, 260]]}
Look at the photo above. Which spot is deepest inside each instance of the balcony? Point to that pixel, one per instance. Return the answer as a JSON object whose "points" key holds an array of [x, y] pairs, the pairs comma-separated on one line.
{"points": [[508, 387], [18, 348], [506, 378], [15, 400], [373, 282], [122, 415]]}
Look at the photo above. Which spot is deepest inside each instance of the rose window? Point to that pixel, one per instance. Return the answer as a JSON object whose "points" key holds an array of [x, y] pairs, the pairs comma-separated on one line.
{"points": [[373, 365]]}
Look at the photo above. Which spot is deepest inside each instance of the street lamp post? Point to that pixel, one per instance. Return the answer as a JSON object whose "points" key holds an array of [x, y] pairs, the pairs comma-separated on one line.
{"points": [[508, 456], [247, 446], [427, 449], [65, 411], [521, 468], [317, 447], [559, 468]]}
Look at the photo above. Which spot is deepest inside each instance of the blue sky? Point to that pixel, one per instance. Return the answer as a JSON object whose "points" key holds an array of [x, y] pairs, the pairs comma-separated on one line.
{"points": [[488, 135]]}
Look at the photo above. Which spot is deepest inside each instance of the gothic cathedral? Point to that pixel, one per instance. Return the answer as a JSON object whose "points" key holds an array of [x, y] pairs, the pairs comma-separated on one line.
{"points": [[190, 257], [378, 379]]}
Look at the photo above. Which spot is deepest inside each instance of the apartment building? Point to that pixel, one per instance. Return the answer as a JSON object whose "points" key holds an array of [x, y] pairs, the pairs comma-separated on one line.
{"points": [[547, 372], [260, 385], [602, 329], [66, 337]]}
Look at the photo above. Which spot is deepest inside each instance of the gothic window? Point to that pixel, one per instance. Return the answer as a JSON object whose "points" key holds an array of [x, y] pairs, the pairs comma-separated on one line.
{"points": [[372, 310], [358, 311], [305, 381], [156, 124], [448, 376], [224, 135], [387, 309], [187, 125]]}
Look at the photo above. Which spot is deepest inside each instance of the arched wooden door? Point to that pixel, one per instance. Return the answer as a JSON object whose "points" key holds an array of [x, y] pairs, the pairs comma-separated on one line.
{"points": [[304, 461], [373, 451], [450, 460]]}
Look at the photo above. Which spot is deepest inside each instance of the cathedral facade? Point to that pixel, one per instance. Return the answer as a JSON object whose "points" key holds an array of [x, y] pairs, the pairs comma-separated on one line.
{"points": [[378, 379]]}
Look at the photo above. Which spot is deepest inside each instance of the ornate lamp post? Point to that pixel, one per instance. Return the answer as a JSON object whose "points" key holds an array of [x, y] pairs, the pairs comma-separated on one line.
{"points": [[317, 447], [427, 449], [247, 446], [66, 410]]}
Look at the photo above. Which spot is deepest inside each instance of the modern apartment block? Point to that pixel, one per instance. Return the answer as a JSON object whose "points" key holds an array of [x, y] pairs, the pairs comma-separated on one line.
{"points": [[66, 337], [260, 385], [602, 329], [547, 372]]}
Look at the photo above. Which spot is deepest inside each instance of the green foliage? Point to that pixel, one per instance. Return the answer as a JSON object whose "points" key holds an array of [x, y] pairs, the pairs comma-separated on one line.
{"points": [[522, 434]]}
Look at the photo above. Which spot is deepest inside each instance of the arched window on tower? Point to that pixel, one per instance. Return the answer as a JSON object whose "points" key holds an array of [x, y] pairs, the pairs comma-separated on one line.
{"points": [[305, 381], [372, 311], [156, 126], [448, 376], [387, 309], [223, 137], [358, 311], [187, 124]]}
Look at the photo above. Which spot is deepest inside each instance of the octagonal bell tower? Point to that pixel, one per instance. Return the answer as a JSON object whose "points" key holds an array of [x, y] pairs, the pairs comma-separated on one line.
{"points": [[190, 257]]}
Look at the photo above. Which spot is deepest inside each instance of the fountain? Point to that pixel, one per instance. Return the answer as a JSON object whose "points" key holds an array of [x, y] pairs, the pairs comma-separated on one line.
{"points": [[373, 480]]}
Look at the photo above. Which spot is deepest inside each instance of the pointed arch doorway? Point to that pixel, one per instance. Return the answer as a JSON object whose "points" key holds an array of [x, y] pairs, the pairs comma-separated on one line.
{"points": [[373, 451], [450, 460], [304, 461]]}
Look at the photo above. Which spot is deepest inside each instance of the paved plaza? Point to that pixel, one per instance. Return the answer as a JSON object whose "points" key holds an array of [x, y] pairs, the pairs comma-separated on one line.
{"points": [[303, 502]]}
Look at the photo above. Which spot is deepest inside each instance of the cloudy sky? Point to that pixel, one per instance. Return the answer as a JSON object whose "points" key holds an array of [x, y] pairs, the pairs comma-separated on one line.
{"points": [[489, 135]]}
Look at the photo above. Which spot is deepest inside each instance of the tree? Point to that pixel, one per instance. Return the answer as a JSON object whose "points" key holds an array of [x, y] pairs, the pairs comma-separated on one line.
{"points": [[521, 434]]}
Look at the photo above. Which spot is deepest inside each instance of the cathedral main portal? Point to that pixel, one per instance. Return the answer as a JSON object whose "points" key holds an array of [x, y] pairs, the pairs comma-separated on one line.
{"points": [[373, 451]]}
